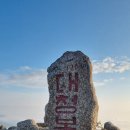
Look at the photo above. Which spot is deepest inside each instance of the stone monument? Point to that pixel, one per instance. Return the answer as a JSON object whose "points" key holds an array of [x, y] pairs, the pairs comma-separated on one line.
{"points": [[72, 101]]}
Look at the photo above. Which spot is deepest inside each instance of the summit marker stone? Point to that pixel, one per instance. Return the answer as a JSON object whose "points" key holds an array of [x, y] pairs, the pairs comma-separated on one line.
{"points": [[72, 100]]}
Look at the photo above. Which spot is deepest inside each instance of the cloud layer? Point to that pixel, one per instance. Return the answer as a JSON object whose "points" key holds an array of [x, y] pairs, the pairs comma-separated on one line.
{"points": [[26, 76], [111, 65], [102, 83]]}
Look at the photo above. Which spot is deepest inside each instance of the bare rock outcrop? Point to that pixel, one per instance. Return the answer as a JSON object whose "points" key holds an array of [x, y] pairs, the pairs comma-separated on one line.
{"points": [[27, 125], [72, 101]]}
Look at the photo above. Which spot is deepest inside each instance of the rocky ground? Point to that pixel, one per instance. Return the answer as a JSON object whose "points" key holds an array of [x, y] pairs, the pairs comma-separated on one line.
{"points": [[32, 125], [26, 125]]}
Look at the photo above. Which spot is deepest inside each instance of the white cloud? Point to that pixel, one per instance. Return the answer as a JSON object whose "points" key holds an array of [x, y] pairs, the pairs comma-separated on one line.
{"points": [[25, 68], [111, 65], [99, 84], [122, 78], [102, 83], [25, 77], [2, 115], [107, 80]]}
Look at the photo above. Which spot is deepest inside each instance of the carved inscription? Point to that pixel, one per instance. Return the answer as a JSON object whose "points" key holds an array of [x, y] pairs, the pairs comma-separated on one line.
{"points": [[66, 104]]}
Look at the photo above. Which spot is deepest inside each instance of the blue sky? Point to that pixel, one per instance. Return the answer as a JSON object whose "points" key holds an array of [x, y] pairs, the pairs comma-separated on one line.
{"points": [[33, 34]]}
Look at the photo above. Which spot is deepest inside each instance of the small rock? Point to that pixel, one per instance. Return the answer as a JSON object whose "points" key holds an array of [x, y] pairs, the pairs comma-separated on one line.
{"points": [[12, 128], [110, 126], [27, 125], [41, 125], [46, 117], [2, 127]]}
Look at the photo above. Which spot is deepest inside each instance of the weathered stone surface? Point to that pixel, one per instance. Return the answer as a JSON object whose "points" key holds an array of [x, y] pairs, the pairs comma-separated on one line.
{"points": [[110, 126], [72, 101], [41, 125], [43, 128], [27, 125], [12, 128]]}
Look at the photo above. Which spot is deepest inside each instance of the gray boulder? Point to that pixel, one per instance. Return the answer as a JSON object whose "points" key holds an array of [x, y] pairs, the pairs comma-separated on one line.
{"points": [[27, 125], [12, 128], [110, 126]]}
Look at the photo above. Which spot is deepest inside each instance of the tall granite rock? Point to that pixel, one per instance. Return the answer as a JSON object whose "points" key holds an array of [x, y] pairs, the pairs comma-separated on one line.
{"points": [[72, 101]]}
